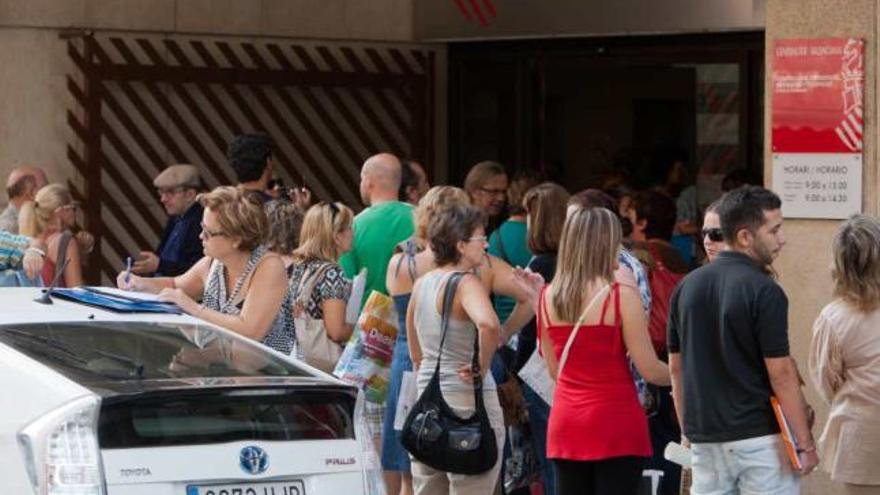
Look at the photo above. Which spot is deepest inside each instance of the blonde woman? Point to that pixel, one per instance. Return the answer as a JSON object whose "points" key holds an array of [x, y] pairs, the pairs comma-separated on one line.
{"points": [[845, 359], [241, 284], [49, 218], [326, 234], [597, 435]]}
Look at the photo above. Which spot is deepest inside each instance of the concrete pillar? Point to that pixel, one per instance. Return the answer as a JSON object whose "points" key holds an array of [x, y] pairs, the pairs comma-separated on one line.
{"points": [[804, 263]]}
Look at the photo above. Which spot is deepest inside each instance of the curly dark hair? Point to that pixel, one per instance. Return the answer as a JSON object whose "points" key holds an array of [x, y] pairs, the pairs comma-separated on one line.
{"points": [[449, 227], [248, 155]]}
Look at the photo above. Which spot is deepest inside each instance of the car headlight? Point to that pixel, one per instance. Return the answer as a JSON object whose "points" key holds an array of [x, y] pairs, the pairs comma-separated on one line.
{"points": [[61, 450]]}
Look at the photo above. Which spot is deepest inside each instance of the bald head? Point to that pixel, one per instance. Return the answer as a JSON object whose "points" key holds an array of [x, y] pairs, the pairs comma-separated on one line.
{"points": [[23, 183], [32, 170], [380, 178]]}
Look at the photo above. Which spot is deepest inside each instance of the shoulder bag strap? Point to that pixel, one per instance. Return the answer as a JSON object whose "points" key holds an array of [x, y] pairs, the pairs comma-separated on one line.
{"points": [[448, 297], [577, 327], [61, 259], [309, 280]]}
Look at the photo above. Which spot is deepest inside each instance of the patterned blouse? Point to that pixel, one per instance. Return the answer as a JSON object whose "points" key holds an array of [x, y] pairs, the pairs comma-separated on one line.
{"points": [[281, 336], [331, 285]]}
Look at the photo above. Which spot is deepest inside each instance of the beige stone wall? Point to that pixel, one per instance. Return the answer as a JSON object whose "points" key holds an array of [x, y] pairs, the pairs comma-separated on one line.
{"points": [[442, 19], [377, 20], [804, 263], [34, 102]]}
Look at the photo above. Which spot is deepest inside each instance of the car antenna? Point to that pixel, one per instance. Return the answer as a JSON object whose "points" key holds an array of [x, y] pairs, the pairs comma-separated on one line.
{"points": [[46, 298]]}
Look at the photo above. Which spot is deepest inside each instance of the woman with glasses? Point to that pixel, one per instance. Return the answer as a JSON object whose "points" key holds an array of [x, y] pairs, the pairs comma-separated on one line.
{"points": [[242, 285], [486, 184], [316, 277], [49, 219], [458, 241], [403, 270], [713, 239]]}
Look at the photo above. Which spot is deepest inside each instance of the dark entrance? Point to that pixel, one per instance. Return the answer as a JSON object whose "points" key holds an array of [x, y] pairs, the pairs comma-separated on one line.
{"points": [[582, 109]]}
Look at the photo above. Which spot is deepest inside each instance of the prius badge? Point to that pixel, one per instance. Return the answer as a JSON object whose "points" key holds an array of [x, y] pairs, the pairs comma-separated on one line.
{"points": [[253, 460]]}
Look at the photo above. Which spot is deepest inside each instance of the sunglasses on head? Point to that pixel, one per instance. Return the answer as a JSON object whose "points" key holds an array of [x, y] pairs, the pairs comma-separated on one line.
{"points": [[334, 210], [714, 235]]}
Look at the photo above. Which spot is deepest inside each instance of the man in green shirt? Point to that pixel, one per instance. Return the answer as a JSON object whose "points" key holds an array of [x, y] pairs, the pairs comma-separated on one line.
{"points": [[384, 224]]}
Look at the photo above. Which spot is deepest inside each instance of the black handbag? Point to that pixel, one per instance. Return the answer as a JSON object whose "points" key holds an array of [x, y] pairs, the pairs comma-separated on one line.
{"points": [[434, 434]]}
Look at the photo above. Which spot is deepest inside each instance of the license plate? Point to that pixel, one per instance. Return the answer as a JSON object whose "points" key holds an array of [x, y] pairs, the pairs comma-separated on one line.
{"points": [[293, 487]]}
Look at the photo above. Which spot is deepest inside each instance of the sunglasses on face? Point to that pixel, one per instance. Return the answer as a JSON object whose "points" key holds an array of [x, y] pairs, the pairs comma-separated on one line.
{"points": [[714, 235]]}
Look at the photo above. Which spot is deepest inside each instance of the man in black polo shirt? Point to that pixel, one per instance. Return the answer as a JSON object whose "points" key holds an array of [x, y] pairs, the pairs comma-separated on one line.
{"points": [[728, 353]]}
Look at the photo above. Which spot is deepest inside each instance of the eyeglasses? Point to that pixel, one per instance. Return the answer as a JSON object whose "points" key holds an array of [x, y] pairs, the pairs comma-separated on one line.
{"points": [[169, 191], [70, 206], [493, 192], [209, 234], [714, 234], [478, 238]]}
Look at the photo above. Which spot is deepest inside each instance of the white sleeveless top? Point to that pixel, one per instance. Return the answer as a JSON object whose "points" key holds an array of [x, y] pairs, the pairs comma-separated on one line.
{"points": [[458, 349]]}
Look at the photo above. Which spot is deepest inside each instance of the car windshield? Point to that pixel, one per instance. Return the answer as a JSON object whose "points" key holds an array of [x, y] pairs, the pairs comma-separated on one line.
{"points": [[143, 351]]}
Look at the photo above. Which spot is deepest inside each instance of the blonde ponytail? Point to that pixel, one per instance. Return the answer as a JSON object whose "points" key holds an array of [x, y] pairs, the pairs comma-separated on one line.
{"points": [[27, 220], [35, 215]]}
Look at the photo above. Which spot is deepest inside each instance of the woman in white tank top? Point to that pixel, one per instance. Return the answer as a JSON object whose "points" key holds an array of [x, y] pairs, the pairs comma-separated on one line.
{"points": [[457, 238]]}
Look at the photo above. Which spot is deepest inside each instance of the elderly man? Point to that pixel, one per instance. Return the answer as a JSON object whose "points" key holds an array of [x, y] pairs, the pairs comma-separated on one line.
{"points": [[180, 247], [382, 225], [21, 186]]}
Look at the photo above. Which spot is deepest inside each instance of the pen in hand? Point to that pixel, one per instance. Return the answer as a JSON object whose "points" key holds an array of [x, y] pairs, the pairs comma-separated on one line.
{"points": [[127, 272]]}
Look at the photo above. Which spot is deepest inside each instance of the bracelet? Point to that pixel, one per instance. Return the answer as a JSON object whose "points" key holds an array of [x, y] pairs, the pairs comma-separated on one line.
{"points": [[35, 250], [807, 450]]}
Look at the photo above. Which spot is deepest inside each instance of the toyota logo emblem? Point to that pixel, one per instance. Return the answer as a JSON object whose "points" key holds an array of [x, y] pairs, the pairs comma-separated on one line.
{"points": [[253, 460]]}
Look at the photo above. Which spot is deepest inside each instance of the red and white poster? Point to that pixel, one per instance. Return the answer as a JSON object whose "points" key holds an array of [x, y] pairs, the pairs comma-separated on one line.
{"points": [[818, 93]]}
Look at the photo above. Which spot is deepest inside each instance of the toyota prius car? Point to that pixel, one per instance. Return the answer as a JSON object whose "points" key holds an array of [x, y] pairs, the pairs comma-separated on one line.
{"points": [[97, 402]]}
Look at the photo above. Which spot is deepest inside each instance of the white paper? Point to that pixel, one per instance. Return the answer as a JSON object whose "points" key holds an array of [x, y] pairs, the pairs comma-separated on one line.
{"points": [[536, 376], [678, 453], [353, 308], [406, 400]]}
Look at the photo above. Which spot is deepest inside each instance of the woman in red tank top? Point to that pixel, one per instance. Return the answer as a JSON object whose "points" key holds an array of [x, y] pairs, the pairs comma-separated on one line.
{"points": [[597, 435]]}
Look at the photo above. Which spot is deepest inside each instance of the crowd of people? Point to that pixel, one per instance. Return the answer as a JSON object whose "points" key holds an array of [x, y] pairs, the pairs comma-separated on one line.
{"points": [[647, 340]]}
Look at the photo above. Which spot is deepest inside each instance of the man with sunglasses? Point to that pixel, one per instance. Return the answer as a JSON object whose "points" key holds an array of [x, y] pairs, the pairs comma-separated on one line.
{"points": [[180, 247], [729, 353]]}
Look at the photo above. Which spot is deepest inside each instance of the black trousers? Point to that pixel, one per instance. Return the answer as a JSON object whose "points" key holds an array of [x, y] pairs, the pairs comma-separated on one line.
{"points": [[614, 476]]}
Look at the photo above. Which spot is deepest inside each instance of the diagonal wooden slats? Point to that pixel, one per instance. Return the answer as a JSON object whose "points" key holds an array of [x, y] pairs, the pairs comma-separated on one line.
{"points": [[146, 103], [310, 130]]}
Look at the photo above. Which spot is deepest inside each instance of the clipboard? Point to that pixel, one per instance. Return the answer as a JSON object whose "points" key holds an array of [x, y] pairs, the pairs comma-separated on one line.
{"points": [[788, 438], [113, 302]]}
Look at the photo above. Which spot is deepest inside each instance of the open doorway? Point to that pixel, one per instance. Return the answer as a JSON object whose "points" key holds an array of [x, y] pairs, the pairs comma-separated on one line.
{"points": [[585, 110]]}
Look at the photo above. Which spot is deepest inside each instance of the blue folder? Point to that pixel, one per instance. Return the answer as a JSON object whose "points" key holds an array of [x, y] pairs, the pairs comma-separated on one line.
{"points": [[91, 296]]}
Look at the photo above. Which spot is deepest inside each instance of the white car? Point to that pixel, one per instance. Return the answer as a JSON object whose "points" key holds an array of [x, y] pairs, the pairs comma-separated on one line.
{"points": [[97, 402]]}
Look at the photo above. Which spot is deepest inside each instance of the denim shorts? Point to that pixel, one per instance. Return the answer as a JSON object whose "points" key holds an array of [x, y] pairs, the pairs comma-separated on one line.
{"points": [[754, 466]]}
